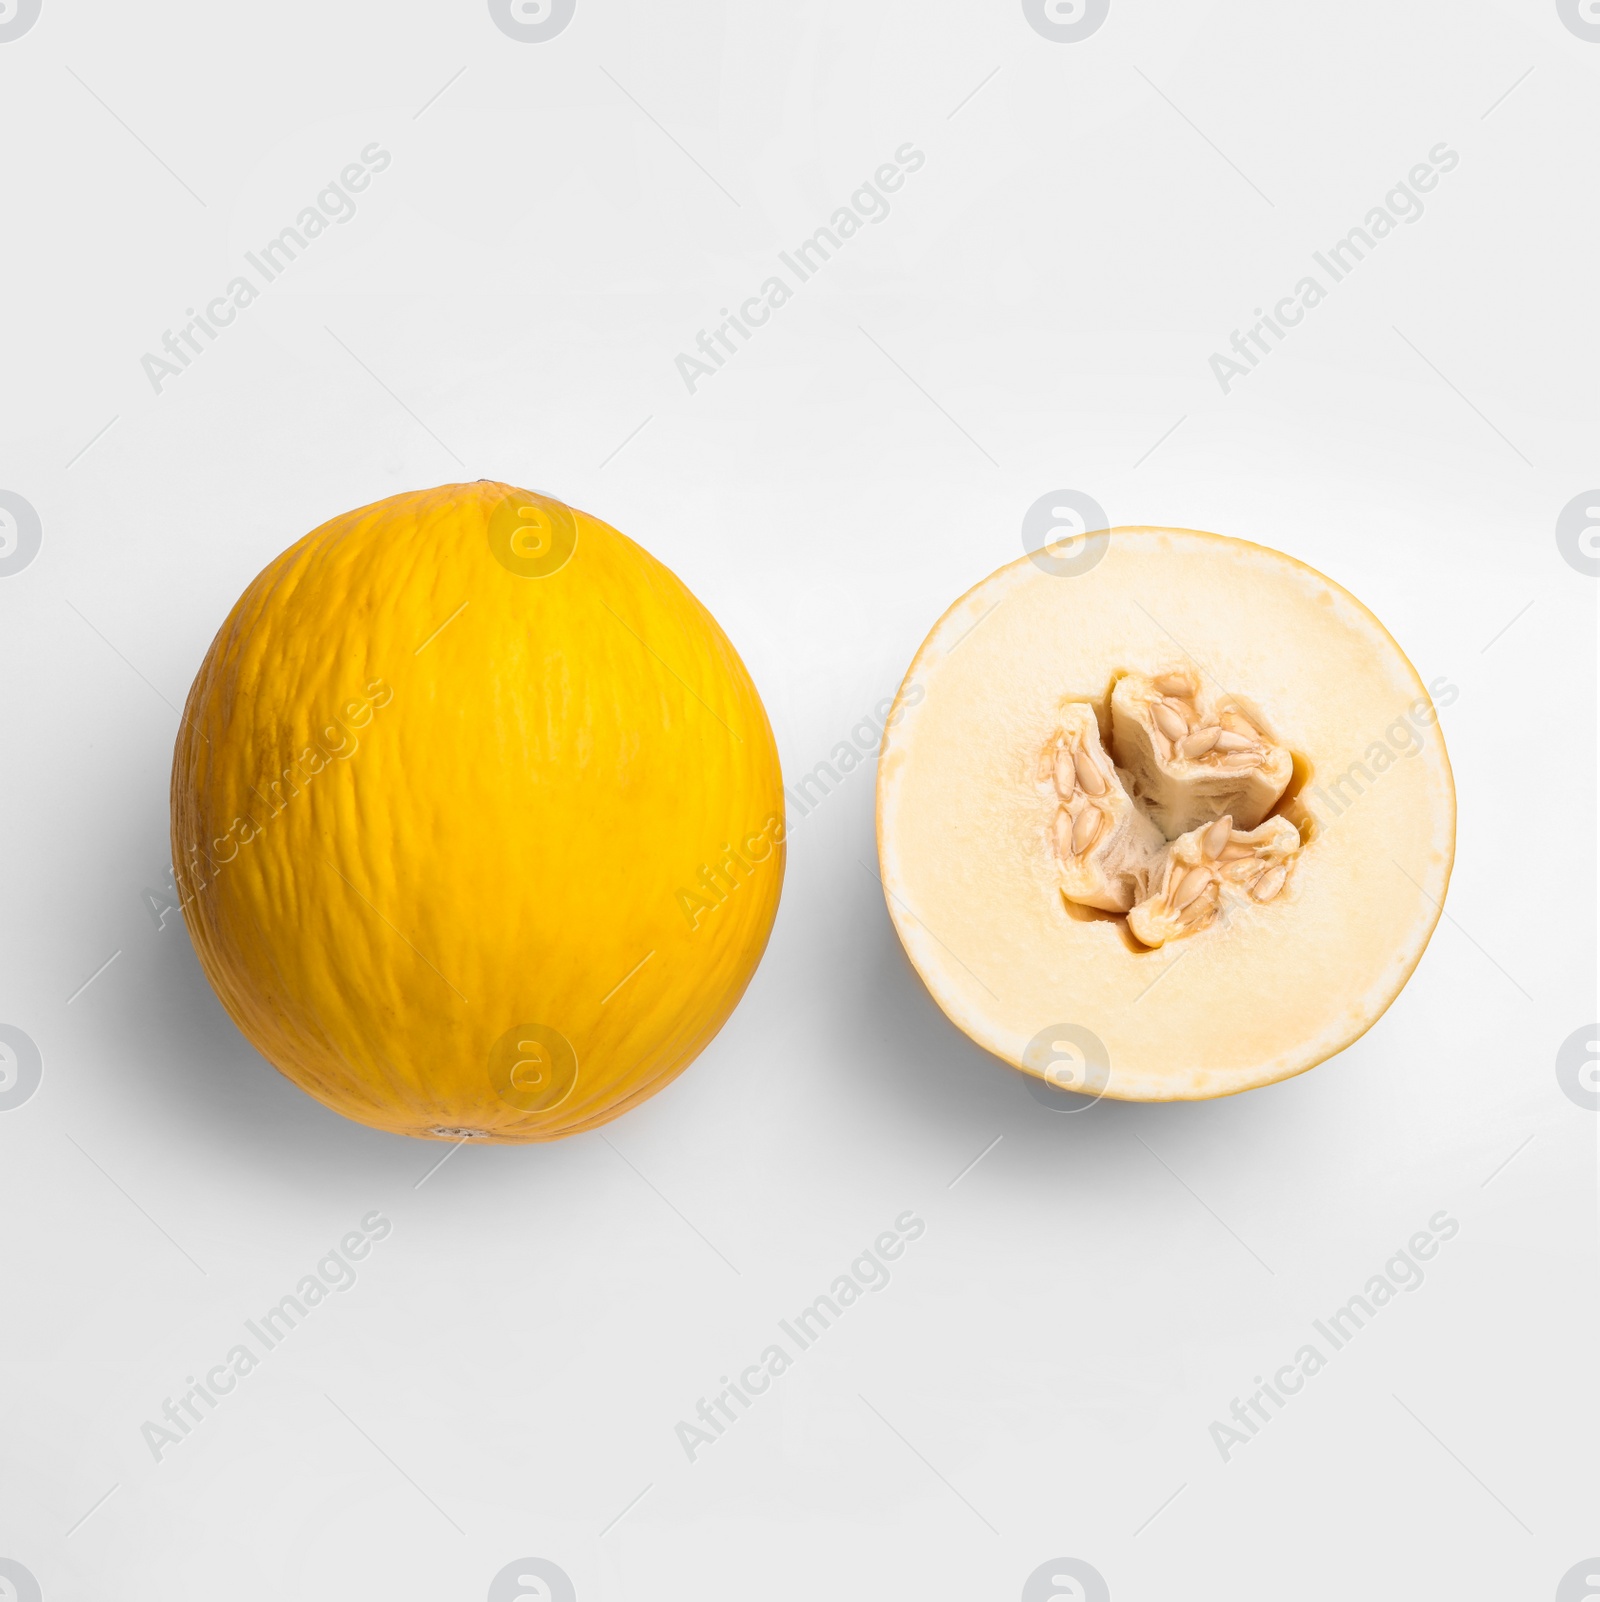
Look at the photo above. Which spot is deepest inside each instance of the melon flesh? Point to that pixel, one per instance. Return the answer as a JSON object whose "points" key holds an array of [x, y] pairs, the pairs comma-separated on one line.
{"points": [[1301, 918]]}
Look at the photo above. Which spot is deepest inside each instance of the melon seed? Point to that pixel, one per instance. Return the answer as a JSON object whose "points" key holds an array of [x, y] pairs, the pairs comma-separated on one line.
{"points": [[1063, 833], [1198, 743], [1216, 837], [1066, 781], [1168, 721], [1089, 775], [1085, 831], [1269, 884], [1188, 887]]}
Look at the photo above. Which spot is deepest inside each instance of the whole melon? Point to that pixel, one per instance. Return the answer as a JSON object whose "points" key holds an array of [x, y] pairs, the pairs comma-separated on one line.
{"points": [[477, 817]]}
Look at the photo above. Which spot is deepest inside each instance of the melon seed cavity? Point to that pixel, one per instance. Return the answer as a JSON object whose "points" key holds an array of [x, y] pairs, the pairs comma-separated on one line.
{"points": [[1169, 821]]}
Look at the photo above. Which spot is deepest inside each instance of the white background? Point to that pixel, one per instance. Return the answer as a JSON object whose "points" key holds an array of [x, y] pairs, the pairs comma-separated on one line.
{"points": [[1093, 220]]}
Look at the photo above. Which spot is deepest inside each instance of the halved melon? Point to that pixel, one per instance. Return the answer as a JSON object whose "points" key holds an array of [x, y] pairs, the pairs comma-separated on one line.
{"points": [[1172, 827]]}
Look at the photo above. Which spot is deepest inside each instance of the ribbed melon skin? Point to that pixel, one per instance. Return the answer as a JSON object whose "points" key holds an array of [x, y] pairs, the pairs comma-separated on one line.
{"points": [[501, 793]]}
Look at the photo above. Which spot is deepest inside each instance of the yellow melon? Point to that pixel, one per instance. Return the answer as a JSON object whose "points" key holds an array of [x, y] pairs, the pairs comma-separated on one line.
{"points": [[476, 816], [1167, 819]]}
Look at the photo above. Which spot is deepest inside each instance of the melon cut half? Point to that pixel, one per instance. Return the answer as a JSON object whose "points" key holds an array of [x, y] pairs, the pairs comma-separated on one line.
{"points": [[1169, 821]]}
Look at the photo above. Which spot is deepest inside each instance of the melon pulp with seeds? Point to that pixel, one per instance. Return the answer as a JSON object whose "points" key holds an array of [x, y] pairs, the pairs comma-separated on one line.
{"points": [[1167, 825], [477, 820]]}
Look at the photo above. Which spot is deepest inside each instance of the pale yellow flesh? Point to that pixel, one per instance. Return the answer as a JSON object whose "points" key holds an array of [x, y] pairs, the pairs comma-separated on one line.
{"points": [[965, 846]]}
